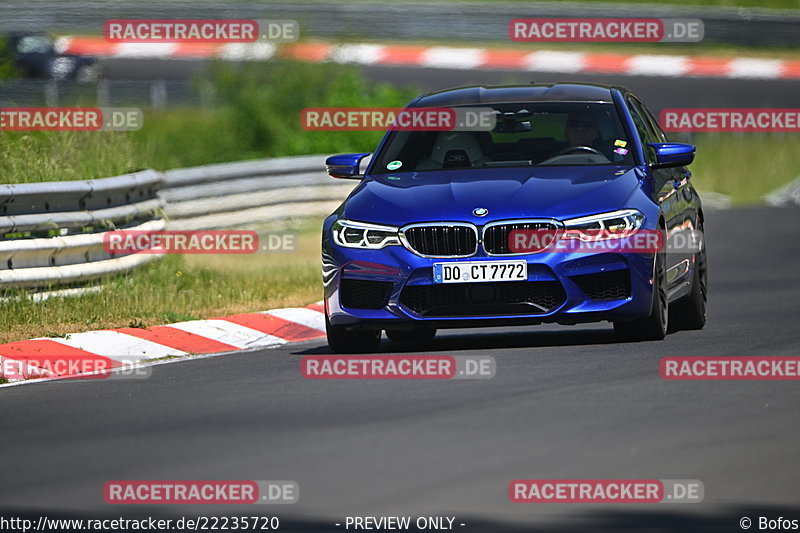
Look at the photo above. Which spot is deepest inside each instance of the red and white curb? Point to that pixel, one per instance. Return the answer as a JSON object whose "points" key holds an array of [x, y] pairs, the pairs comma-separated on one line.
{"points": [[37, 358], [97, 46], [452, 58]]}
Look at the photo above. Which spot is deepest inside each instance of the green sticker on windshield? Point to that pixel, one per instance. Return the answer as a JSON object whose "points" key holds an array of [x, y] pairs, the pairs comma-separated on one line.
{"points": [[394, 165]]}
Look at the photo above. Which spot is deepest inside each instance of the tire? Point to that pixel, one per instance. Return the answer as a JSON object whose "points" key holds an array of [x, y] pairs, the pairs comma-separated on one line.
{"points": [[414, 335], [690, 312], [341, 340], [653, 327]]}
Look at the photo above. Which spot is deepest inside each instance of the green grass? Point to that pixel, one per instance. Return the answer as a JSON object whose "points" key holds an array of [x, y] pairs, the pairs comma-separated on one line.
{"points": [[177, 288], [257, 114], [745, 166], [30, 157], [7, 68]]}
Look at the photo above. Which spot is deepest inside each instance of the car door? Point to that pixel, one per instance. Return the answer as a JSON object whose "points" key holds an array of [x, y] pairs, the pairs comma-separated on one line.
{"points": [[665, 187], [689, 205], [689, 193]]}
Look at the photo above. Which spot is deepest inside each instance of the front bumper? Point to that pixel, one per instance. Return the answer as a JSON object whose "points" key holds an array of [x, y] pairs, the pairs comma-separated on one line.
{"points": [[393, 288]]}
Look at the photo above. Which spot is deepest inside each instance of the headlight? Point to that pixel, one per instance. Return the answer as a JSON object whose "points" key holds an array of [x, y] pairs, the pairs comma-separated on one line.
{"points": [[612, 225], [351, 234]]}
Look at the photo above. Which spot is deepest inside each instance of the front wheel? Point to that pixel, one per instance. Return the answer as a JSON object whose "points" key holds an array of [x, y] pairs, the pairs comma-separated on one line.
{"points": [[342, 340], [654, 327], [690, 312]]}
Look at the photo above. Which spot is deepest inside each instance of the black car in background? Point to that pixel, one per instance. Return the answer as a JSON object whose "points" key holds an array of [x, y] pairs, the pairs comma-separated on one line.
{"points": [[35, 56]]}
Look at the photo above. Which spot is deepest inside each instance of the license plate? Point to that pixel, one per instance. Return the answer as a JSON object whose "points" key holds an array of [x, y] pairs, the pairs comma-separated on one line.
{"points": [[463, 272]]}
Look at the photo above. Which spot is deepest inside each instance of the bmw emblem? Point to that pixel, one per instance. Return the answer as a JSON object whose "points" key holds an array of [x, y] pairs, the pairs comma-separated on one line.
{"points": [[480, 211]]}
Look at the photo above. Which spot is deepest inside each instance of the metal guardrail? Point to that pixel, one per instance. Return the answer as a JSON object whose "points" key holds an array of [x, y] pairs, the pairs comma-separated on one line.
{"points": [[75, 204], [786, 196], [109, 92], [52, 233], [250, 192]]}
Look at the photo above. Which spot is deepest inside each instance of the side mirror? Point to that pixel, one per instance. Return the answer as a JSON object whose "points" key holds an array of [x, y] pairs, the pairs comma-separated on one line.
{"points": [[345, 166], [672, 154]]}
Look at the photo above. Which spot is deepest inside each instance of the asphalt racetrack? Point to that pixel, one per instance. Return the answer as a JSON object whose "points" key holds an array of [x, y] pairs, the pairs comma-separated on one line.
{"points": [[566, 403]]}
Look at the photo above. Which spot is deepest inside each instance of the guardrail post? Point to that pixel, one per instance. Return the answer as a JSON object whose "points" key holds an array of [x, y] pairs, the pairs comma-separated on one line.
{"points": [[103, 93], [158, 94], [51, 93]]}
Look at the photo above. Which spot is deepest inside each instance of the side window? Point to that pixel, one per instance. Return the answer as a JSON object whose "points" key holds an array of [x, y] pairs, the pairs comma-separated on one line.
{"points": [[643, 127], [660, 135]]}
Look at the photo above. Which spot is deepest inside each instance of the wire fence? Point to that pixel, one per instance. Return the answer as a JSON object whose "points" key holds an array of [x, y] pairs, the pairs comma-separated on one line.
{"points": [[139, 93]]}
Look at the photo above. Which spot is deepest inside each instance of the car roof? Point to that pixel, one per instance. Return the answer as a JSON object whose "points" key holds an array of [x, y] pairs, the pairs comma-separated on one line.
{"points": [[498, 94]]}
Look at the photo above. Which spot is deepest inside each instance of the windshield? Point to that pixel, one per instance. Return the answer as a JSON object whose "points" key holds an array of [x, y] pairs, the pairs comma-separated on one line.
{"points": [[525, 134], [34, 44]]}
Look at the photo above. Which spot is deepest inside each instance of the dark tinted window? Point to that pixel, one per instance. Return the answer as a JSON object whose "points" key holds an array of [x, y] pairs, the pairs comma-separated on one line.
{"points": [[646, 131], [525, 134], [651, 120]]}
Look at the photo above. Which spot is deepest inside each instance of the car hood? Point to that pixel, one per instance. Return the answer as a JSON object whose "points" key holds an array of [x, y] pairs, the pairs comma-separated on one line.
{"points": [[552, 192]]}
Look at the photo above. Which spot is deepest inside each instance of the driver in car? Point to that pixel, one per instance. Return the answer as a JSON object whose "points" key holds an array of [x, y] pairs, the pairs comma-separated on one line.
{"points": [[581, 130]]}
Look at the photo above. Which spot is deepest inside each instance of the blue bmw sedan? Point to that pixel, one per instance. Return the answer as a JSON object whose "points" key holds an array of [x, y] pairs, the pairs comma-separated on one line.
{"points": [[443, 229]]}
